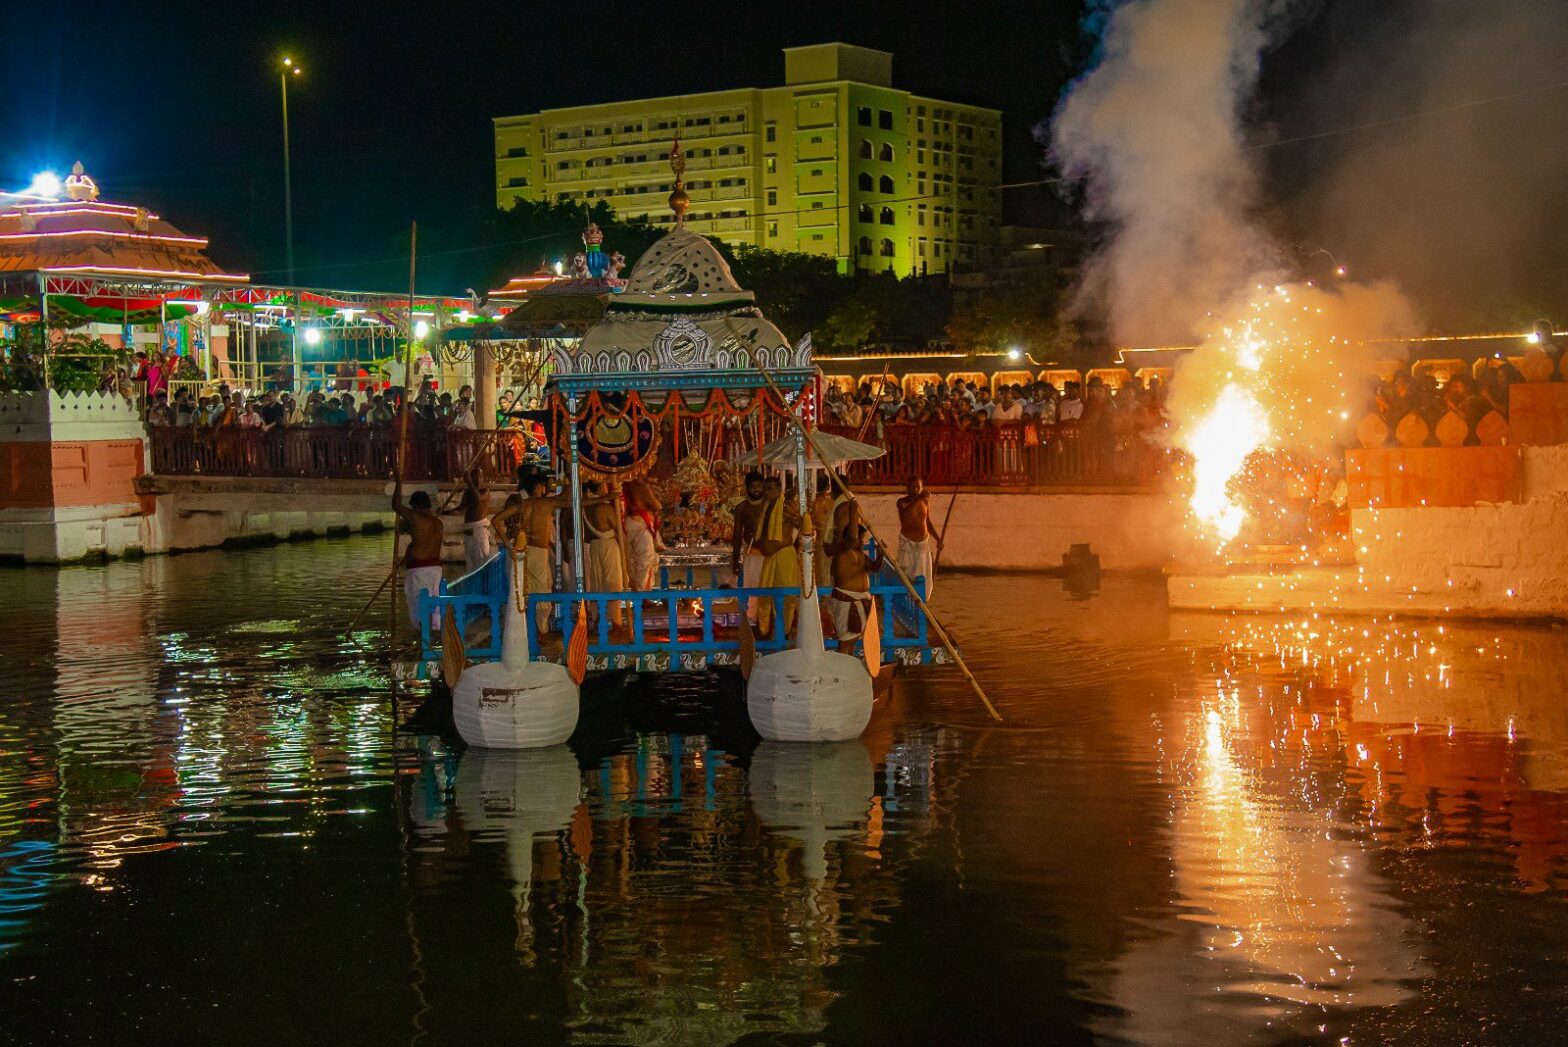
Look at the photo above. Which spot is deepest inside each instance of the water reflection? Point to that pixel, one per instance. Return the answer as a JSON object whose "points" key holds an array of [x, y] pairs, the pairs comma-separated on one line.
{"points": [[1190, 828]]}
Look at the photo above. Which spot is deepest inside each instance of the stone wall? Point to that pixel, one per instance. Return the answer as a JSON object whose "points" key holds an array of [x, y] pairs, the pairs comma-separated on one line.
{"points": [[1031, 531]]}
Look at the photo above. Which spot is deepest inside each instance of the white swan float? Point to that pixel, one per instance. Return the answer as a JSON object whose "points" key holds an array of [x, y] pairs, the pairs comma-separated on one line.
{"points": [[808, 693], [515, 703]]}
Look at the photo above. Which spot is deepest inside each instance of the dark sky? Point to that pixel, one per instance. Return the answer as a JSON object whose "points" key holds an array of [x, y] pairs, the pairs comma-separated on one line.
{"points": [[176, 104]]}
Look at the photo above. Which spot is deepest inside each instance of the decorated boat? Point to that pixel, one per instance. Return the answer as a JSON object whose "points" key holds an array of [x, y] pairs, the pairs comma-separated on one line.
{"points": [[678, 387]]}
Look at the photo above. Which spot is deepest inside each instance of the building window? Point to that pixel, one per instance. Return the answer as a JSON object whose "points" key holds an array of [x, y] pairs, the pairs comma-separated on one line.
{"points": [[867, 213], [884, 119], [773, 228], [886, 185], [816, 172], [864, 114], [885, 153], [921, 249], [887, 216], [887, 248], [865, 181], [865, 245], [770, 133], [865, 149], [773, 197], [771, 165], [920, 215], [816, 205]]}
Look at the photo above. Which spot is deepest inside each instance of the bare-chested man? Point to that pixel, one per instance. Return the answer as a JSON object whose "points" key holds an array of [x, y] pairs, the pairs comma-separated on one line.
{"points": [[917, 545], [422, 560], [531, 527], [477, 544], [850, 601], [642, 536], [745, 559], [606, 558]]}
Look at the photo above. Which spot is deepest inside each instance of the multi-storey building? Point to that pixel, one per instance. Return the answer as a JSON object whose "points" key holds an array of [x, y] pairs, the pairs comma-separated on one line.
{"points": [[835, 162]]}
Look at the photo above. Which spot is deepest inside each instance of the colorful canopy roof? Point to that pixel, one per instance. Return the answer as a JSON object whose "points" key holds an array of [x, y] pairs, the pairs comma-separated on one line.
{"points": [[83, 234]]}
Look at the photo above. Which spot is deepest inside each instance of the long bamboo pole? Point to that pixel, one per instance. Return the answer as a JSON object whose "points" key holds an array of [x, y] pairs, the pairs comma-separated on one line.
{"points": [[947, 518], [925, 609], [404, 420]]}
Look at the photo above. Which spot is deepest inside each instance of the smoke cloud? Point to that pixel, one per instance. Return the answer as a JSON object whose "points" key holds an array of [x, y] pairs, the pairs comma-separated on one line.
{"points": [[1154, 135]]}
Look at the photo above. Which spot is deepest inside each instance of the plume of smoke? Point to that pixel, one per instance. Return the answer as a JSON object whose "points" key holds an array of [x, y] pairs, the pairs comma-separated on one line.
{"points": [[1154, 135]]}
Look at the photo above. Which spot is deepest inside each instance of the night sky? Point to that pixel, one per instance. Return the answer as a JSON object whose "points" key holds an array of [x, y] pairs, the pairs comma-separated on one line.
{"points": [[175, 105]]}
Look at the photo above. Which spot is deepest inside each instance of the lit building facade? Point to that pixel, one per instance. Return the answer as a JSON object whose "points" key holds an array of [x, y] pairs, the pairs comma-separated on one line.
{"points": [[836, 162]]}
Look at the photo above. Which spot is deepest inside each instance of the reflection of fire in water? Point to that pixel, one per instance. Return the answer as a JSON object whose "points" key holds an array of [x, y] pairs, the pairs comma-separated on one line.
{"points": [[1433, 722]]}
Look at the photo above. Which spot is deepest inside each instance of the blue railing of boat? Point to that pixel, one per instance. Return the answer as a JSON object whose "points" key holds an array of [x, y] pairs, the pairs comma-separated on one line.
{"points": [[483, 593]]}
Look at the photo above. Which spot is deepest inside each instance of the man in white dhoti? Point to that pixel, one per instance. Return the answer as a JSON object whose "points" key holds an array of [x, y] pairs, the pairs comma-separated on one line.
{"points": [[534, 539], [478, 542], [642, 536], [422, 561], [917, 545], [849, 603]]}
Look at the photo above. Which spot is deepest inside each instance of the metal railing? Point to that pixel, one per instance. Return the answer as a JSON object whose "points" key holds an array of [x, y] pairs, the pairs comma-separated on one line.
{"points": [[1009, 454], [706, 619], [331, 452]]}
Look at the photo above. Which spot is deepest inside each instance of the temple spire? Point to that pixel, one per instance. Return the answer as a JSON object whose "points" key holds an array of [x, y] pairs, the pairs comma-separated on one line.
{"points": [[679, 201]]}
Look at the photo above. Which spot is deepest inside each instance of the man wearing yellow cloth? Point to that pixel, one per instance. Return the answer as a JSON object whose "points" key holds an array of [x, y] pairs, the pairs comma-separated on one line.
{"points": [[780, 558]]}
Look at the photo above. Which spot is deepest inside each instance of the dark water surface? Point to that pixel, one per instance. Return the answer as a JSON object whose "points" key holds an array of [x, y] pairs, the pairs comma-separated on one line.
{"points": [[1191, 829]]}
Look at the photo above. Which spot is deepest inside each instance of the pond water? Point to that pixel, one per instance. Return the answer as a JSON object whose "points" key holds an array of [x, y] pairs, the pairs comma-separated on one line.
{"points": [[1189, 829]]}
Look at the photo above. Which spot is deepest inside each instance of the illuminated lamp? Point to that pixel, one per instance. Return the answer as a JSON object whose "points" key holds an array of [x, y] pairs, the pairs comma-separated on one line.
{"points": [[421, 329], [45, 183], [312, 336]]}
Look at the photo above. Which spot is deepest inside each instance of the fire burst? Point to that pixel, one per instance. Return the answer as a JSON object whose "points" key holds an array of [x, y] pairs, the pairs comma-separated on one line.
{"points": [[1283, 370]]}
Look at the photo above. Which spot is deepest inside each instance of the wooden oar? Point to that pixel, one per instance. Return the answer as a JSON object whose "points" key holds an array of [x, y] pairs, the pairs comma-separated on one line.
{"points": [[941, 633]]}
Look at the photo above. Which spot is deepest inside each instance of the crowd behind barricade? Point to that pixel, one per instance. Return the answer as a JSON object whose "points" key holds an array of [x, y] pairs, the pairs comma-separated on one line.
{"points": [[1418, 399], [1020, 434], [969, 405], [280, 408]]}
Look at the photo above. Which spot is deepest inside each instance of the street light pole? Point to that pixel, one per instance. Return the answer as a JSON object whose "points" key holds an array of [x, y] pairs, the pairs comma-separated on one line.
{"points": [[288, 185]]}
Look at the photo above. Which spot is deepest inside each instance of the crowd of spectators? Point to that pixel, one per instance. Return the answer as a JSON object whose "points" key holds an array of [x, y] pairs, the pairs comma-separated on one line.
{"points": [[969, 405], [279, 408]]}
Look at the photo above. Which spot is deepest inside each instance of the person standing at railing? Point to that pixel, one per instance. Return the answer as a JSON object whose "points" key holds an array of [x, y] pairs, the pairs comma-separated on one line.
{"points": [[917, 545], [422, 561]]}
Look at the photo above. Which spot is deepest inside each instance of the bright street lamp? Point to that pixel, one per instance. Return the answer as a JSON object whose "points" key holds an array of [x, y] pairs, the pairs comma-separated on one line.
{"points": [[284, 72]]}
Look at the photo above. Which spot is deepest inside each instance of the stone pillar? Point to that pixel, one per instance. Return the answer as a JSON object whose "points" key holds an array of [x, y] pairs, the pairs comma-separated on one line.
{"points": [[484, 385], [70, 463]]}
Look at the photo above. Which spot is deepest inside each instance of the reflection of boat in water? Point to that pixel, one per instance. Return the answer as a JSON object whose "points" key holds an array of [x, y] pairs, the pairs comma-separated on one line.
{"points": [[512, 796], [815, 794]]}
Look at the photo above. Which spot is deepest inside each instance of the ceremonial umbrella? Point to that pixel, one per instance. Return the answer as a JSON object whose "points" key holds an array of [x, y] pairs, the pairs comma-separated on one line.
{"points": [[835, 448]]}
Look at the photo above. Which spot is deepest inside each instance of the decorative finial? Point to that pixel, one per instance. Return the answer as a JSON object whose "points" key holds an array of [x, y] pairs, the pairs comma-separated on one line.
{"points": [[679, 201], [78, 185]]}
